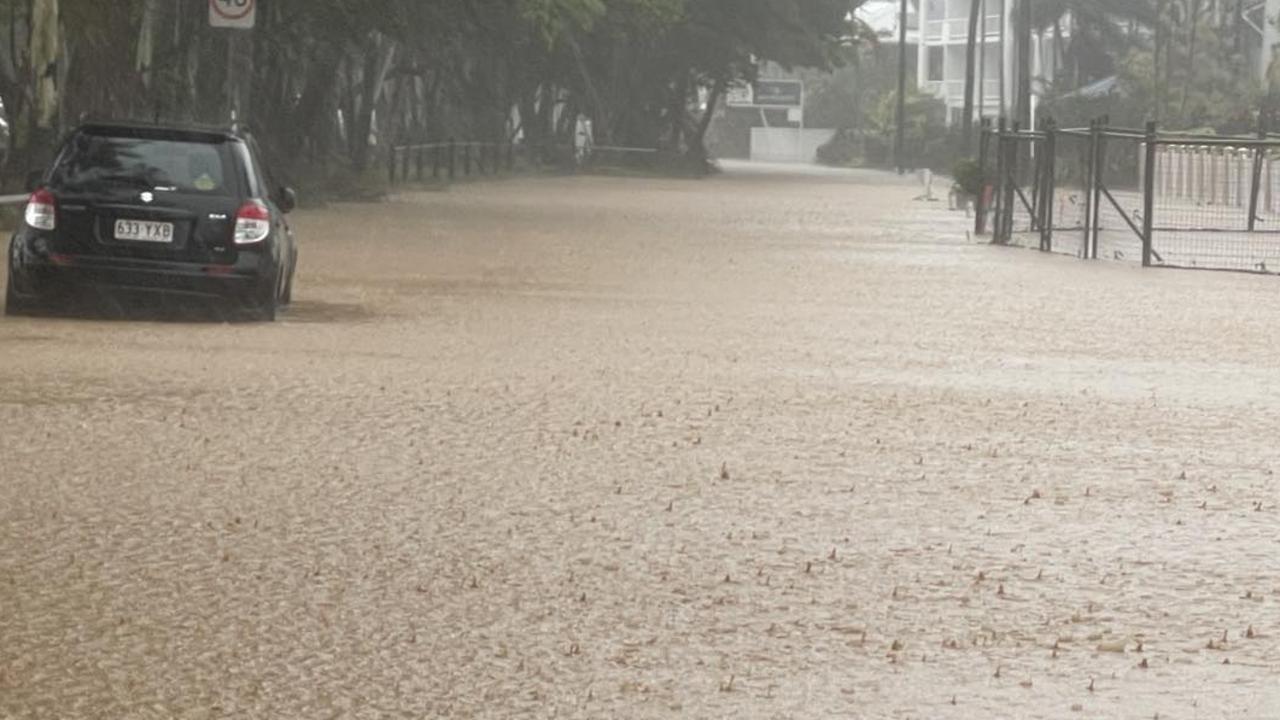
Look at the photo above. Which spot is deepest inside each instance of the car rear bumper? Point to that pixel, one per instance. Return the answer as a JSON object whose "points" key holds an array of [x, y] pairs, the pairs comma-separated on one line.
{"points": [[39, 273]]}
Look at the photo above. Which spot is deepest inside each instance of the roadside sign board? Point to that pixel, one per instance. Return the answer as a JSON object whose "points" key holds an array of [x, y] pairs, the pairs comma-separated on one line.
{"points": [[779, 93], [235, 14], [739, 95]]}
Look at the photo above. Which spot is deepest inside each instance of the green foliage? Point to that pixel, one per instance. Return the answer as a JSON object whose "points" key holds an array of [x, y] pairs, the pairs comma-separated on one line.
{"points": [[928, 142], [968, 176], [844, 149], [325, 77], [1175, 64], [847, 97], [553, 19]]}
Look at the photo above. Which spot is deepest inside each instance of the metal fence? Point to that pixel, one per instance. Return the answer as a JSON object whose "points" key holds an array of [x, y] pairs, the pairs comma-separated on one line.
{"points": [[1161, 199], [454, 159], [448, 160]]}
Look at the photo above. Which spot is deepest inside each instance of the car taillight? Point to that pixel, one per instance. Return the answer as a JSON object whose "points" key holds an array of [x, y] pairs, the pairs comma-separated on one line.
{"points": [[42, 210], [253, 223]]}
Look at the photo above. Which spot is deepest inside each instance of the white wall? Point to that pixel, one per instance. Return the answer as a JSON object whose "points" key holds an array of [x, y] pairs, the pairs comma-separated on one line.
{"points": [[788, 144]]}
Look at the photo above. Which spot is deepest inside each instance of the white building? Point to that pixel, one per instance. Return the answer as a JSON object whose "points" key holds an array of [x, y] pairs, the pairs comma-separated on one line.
{"points": [[944, 31], [1262, 17]]}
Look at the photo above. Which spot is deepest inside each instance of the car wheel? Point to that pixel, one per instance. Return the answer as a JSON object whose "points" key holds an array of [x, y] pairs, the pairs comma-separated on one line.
{"points": [[15, 304], [261, 304], [286, 296]]}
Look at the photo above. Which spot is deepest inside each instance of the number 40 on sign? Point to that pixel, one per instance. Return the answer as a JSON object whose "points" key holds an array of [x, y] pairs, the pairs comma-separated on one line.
{"points": [[238, 14]]}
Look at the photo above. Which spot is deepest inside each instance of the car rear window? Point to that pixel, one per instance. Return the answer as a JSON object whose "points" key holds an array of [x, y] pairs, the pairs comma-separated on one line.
{"points": [[103, 162]]}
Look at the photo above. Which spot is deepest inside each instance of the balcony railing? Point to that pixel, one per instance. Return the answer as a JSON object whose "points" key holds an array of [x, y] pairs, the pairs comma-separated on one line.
{"points": [[956, 30], [953, 90]]}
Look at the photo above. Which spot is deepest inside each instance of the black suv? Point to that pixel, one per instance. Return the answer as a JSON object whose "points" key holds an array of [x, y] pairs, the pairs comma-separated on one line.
{"points": [[161, 210]]}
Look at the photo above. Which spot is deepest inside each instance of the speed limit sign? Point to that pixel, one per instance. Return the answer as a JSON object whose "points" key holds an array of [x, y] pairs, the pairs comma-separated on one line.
{"points": [[238, 14]]}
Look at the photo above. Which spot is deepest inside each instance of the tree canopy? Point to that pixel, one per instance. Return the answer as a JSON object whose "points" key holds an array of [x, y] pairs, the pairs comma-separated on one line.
{"points": [[327, 79]]}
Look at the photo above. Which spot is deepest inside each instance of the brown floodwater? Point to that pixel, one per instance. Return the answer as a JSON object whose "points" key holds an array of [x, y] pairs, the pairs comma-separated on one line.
{"points": [[770, 445]]}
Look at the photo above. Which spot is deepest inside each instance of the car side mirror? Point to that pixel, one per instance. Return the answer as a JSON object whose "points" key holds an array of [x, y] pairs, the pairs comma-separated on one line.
{"points": [[33, 180], [288, 199]]}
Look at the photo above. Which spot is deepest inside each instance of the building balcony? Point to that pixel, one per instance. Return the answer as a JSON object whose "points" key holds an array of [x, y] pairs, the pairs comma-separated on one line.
{"points": [[952, 31], [952, 91]]}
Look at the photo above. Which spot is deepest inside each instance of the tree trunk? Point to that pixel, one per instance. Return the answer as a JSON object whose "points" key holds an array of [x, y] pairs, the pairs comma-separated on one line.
{"points": [[970, 49], [1194, 19], [698, 144], [311, 121], [147, 42], [678, 110], [1023, 37], [599, 113], [45, 48], [44, 60], [377, 65]]}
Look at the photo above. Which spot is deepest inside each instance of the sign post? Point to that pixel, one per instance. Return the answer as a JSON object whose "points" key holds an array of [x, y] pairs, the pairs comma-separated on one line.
{"points": [[234, 15]]}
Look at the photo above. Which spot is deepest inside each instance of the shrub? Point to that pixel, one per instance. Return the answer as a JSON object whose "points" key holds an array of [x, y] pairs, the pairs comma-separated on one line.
{"points": [[968, 176], [842, 150]]}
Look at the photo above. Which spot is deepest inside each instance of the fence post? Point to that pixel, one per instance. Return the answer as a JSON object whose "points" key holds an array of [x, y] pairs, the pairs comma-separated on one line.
{"points": [[1049, 150], [511, 156], [997, 219], [435, 161], [391, 164], [1089, 181], [406, 155], [1011, 171], [466, 159], [421, 159], [1148, 193], [1001, 182], [979, 203], [1100, 172], [1256, 181], [453, 158]]}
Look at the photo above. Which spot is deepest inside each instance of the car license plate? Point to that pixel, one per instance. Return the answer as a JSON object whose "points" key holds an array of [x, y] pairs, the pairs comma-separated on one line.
{"points": [[144, 231]]}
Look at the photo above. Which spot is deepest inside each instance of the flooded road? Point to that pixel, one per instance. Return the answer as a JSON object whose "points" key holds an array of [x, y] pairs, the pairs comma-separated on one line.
{"points": [[769, 445]]}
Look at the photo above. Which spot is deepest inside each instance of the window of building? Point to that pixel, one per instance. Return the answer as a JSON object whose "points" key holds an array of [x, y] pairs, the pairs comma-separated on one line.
{"points": [[935, 63]]}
